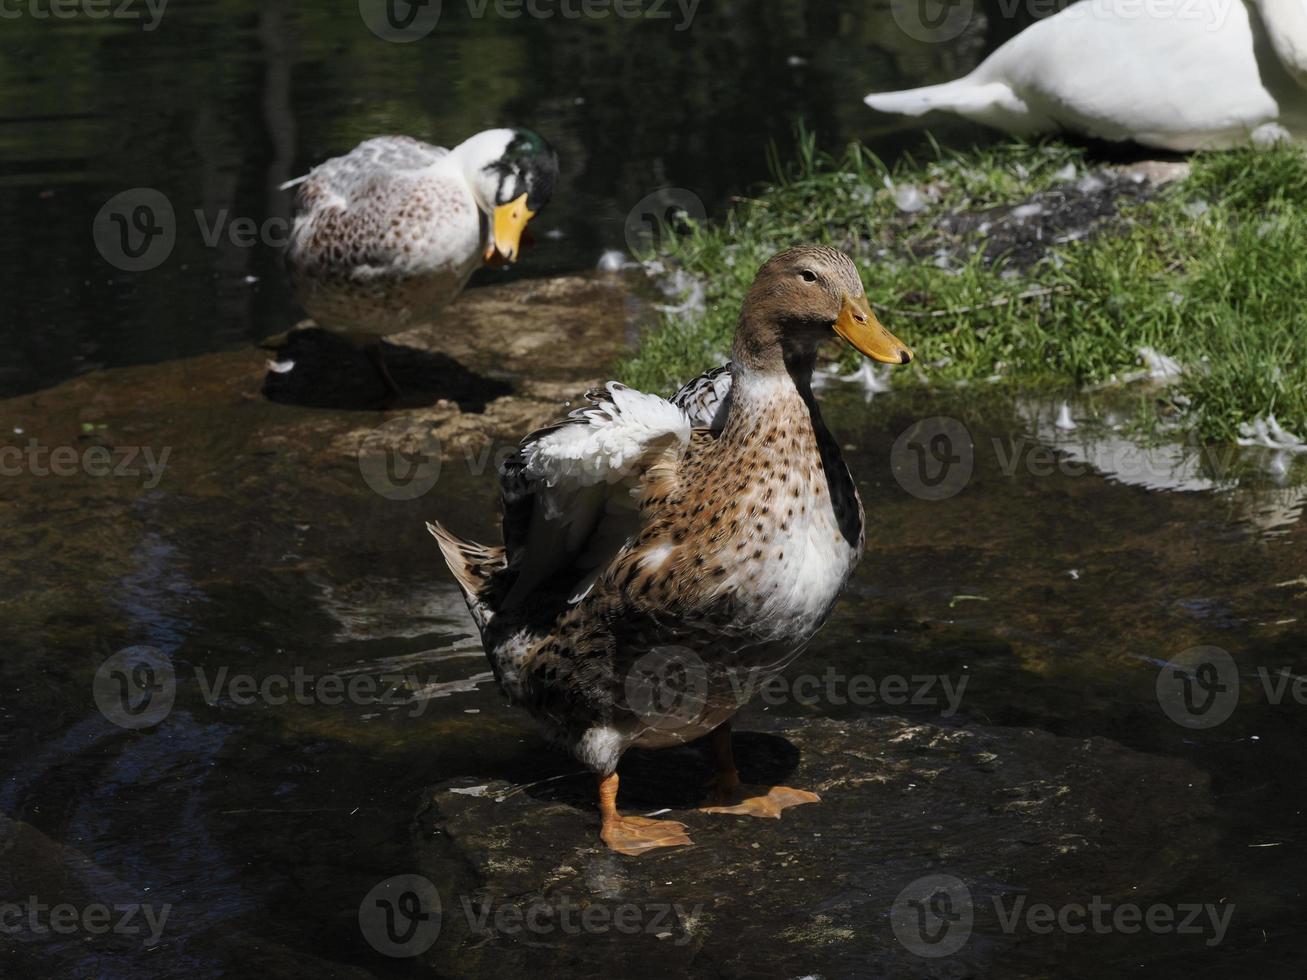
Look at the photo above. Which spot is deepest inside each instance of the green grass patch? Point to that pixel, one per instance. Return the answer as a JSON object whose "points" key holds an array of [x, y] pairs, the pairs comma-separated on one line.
{"points": [[1211, 270]]}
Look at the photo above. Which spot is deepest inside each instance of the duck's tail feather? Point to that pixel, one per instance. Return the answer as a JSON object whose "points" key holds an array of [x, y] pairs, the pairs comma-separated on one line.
{"points": [[963, 96], [474, 567]]}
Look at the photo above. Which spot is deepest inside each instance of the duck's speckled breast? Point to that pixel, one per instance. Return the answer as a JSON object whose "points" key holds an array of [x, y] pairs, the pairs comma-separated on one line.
{"points": [[769, 523]]}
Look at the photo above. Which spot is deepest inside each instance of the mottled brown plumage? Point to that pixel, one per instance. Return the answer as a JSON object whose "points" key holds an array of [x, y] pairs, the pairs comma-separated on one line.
{"points": [[663, 559]]}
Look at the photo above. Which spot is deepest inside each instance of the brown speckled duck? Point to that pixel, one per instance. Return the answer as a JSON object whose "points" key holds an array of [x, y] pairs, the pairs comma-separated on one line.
{"points": [[662, 558]]}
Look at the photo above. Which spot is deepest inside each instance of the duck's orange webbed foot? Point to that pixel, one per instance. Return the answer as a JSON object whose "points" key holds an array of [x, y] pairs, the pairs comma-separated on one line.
{"points": [[634, 835], [748, 800], [729, 795]]}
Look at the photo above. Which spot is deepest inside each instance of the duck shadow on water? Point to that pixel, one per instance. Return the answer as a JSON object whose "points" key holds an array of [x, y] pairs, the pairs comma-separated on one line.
{"points": [[331, 372]]}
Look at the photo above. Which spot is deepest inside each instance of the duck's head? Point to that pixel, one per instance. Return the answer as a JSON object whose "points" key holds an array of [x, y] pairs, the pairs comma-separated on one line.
{"points": [[801, 297], [512, 173]]}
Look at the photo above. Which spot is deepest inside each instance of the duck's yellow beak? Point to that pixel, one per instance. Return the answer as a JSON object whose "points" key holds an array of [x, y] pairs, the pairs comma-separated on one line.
{"points": [[506, 231], [858, 325]]}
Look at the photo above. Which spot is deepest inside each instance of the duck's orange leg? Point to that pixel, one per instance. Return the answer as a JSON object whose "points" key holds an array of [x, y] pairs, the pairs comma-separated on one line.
{"points": [[729, 795], [634, 835]]}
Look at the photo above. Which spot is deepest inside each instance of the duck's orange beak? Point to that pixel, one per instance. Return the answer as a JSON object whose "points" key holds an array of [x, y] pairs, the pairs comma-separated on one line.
{"points": [[858, 325], [506, 228]]}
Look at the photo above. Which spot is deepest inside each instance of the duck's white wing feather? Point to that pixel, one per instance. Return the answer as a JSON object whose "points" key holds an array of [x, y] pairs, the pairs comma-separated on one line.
{"points": [[381, 155], [707, 399], [571, 492]]}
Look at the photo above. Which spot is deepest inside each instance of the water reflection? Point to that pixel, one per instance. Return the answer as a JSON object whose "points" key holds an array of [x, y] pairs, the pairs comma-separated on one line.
{"points": [[1260, 485]]}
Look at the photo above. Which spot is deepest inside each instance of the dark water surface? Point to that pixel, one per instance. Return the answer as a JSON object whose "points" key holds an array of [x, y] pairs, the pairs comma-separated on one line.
{"points": [[225, 99], [1057, 593]]}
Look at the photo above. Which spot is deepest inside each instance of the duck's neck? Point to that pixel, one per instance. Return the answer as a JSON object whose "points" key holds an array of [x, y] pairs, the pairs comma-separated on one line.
{"points": [[774, 412], [768, 378]]}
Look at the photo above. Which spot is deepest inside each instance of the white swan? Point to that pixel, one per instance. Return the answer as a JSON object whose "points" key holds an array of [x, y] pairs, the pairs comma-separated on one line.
{"points": [[1173, 74]]}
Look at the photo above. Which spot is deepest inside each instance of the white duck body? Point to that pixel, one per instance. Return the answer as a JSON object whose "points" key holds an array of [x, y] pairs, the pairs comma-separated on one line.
{"points": [[389, 234], [1211, 74]]}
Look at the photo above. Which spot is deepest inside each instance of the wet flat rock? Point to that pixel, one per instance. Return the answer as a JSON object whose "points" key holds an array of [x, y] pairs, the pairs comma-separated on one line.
{"points": [[1007, 812]]}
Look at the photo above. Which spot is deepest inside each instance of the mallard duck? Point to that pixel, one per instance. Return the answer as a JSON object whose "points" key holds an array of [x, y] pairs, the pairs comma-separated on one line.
{"points": [[661, 557], [1196, 76], [388, 234]]}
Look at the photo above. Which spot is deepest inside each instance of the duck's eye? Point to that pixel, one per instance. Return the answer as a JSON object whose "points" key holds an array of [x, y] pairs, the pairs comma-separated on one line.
{"points": [[808, 275]]}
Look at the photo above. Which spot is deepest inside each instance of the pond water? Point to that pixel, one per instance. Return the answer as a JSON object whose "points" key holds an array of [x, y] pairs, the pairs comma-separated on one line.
{"points": [[1049, 592], [224, 100], [1059, 580]]}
